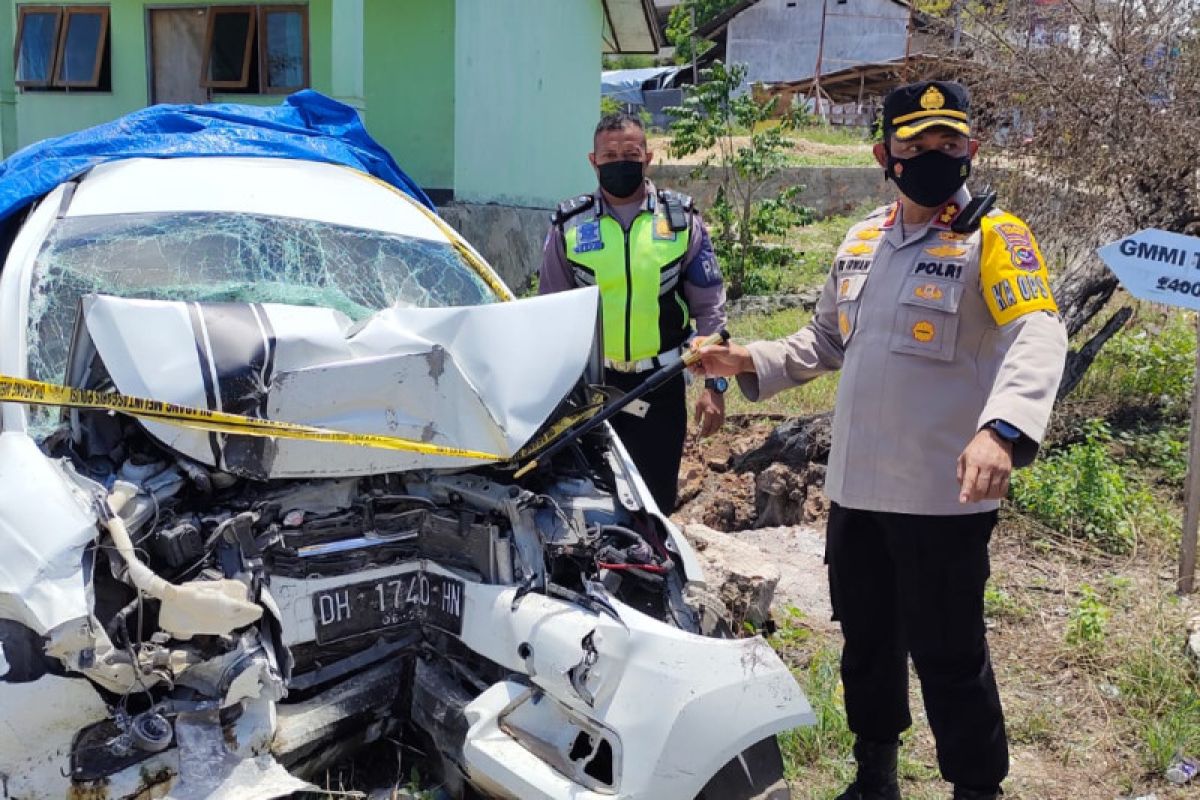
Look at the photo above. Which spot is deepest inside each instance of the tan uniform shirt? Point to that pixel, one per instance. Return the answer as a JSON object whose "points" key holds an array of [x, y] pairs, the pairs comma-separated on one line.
{"points": [[936, 334]]}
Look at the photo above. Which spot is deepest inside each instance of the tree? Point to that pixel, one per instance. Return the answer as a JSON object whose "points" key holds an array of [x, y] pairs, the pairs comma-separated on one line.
{"points": [[679, 25], [745, 149], [1088, 109]]}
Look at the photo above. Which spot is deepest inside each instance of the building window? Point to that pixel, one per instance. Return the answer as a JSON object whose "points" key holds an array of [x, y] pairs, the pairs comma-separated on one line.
{"points": [[63, 47], [256, 49]]}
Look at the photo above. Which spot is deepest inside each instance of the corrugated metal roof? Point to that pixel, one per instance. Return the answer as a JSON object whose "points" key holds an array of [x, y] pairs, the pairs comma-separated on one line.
{"points": [[630, 26]]}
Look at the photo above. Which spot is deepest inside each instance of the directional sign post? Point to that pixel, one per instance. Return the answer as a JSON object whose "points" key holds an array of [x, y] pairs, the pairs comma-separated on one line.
{"points": [[1164, 267]]}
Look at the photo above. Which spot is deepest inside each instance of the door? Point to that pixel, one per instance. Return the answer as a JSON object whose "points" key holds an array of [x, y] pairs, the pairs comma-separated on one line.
{"points": [[177, 55]]}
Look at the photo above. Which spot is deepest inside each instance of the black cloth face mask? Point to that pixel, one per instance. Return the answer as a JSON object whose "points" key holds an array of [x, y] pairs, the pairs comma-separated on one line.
{"points": [[931, 178], [621, 178]]}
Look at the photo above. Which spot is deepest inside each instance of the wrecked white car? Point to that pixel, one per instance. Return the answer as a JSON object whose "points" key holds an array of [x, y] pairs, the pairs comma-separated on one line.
{"points": [[192, 614]]}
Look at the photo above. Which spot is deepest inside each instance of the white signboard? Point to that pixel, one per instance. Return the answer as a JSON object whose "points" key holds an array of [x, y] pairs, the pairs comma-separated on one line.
{"points": [[1158, 266]]}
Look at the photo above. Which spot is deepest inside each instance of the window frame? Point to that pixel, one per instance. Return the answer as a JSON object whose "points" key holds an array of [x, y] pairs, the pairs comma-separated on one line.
{"points": [[22, 11], [211, 13], [264, 86], [64, 26]]}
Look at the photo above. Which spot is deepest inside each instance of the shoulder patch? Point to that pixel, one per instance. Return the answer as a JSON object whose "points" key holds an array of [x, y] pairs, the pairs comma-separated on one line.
{"points": [[572, 206], [1012, 272]]}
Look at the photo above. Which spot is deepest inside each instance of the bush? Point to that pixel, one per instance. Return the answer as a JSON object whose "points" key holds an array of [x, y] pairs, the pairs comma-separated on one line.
{"points": [[1164, 449], [1151, 364], [1088, 625], [1081, 491]]}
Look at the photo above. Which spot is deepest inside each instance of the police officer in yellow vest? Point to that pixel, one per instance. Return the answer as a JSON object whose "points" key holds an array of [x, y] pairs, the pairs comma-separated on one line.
{"points": [[939, 315], [650, 255]]}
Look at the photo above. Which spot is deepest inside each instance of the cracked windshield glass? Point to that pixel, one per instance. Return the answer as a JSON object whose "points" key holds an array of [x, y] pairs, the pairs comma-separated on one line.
{"points": [[214, 257]]}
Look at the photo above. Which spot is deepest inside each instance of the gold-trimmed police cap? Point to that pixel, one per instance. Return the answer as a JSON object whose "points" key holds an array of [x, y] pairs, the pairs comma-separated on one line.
{"points": [[915, 107]]}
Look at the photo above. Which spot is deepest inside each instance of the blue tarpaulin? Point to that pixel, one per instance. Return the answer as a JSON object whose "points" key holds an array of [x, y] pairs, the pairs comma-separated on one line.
{"points": [[626, 85], [307, 126]]}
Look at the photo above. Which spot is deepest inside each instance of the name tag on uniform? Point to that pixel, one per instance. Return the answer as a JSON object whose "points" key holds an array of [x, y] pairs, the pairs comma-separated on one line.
{"points": [[589, 237]]}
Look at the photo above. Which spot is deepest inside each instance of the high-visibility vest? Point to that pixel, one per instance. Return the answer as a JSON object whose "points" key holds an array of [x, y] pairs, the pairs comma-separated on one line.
{"points": [[639, 273]]}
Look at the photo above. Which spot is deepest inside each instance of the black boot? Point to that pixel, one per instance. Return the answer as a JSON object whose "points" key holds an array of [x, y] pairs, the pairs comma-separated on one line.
{"points": [[963, 793], [877, 779]]}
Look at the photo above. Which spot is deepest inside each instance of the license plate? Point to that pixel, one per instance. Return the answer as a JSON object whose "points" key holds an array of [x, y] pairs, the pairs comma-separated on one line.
{"points": [[414, 597]]}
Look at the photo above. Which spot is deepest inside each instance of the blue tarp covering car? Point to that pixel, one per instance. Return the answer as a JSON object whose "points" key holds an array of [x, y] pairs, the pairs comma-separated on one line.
{"points": [[307, 125]]}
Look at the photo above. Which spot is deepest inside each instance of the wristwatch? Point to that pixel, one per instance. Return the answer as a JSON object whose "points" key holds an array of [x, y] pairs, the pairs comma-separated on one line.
{"points": [[718, 385], [1009, 433]]}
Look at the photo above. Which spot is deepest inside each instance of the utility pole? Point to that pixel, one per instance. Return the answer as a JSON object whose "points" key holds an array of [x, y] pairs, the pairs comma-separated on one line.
{"points": [[820, 58], [695, 67]]}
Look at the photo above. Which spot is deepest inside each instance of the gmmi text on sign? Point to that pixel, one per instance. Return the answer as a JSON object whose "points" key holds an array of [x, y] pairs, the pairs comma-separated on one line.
{"points": [[1157, 266]]}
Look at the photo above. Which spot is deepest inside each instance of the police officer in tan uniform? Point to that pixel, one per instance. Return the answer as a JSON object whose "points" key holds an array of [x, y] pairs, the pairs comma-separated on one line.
{"points": [[951, 350]]}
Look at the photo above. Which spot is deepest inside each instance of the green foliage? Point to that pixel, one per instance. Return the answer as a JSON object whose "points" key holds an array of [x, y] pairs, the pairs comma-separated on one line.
{"points": [[999, 604], [1082, 491], [1164, 449], [1152, 364], [679, 25], [1088, 625], [609, 106], [627, 61], [791, 632], [829, 738], [1159, 697], [745, 215]]}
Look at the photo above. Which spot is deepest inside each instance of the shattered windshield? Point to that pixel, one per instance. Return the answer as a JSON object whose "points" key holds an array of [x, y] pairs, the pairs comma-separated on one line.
{"points": [[210, 256]]}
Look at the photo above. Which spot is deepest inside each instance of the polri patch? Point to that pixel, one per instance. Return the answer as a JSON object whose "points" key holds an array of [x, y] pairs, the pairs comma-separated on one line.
{"points": [[589, 237]]}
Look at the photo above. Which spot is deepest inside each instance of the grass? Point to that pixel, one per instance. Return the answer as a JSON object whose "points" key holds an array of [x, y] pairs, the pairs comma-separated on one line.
{"points": [[811, 398], [849, 159], [829, 134]]}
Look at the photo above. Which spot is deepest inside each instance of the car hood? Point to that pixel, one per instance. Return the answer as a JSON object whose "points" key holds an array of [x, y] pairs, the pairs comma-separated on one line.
{"points": [[483, 378]]}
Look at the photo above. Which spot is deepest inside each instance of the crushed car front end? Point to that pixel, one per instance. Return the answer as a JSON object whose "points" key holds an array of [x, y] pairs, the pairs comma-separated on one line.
{"points": [[206, 614]]}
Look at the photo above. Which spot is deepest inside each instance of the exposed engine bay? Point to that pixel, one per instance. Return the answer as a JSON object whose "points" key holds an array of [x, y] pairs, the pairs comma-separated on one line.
{"points": [[237, 633]]}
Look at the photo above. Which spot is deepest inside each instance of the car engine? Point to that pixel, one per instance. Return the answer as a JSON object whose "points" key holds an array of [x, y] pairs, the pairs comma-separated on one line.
{"points": [[341, 565]]}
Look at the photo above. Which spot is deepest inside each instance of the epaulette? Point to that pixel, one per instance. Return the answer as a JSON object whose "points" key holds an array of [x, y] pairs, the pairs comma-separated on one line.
{"points": [[678, 207], [572, 206]]}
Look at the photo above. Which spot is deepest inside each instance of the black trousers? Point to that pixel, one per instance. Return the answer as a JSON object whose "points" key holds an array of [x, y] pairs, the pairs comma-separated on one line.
{"points": [[905, 584], [655, 442]]}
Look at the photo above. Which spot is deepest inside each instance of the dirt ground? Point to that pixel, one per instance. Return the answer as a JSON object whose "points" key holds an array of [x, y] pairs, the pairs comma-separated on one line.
{"points": [[1072, 728]]}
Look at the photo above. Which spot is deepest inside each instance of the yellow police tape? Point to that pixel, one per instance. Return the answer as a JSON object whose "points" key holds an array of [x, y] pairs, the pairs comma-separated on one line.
{"points": [[21, 390]]}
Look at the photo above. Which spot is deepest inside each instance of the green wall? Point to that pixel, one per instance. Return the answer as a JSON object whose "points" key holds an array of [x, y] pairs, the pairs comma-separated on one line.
{"points": [[495, 99], [39, 115], [526, 99], [408, 75], [8, 94], [44, 114]]}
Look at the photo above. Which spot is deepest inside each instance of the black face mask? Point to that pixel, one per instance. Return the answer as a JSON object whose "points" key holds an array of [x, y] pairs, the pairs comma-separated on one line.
{"points": [[621, 178], [931, 178]]}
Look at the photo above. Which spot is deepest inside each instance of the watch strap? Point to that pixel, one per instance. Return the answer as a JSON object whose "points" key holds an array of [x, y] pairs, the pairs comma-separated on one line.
{"points": [[1006, 431]]}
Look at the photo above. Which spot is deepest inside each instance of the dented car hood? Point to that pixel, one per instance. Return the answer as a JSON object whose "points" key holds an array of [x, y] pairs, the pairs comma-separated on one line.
{"points": [[482, 378]]}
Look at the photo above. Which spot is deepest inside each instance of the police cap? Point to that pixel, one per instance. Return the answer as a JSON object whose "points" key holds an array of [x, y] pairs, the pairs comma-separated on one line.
{"points": [[910, 109]]}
